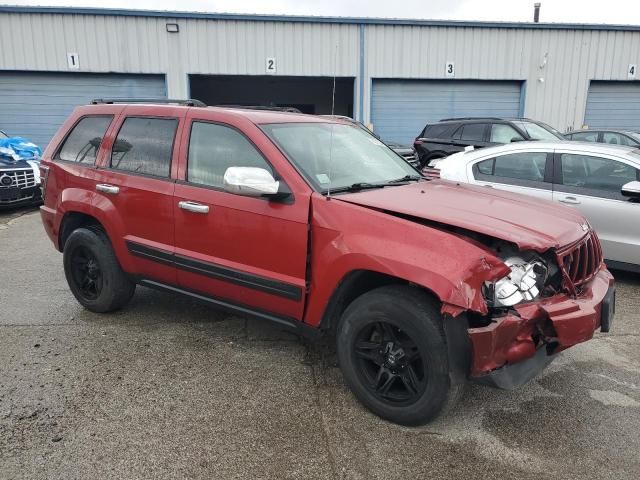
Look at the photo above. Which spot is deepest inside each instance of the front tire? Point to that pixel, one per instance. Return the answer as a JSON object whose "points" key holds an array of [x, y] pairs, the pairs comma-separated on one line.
{"points": [[392, 350], [93, 272]]}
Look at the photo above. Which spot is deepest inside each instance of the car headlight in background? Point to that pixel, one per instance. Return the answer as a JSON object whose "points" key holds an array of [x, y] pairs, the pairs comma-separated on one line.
{"points": [[523, 284], [35, 166]]}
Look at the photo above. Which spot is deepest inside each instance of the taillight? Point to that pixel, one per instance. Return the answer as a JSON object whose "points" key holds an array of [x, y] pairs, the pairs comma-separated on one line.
{"points": [[431, 172], [44, 176]]}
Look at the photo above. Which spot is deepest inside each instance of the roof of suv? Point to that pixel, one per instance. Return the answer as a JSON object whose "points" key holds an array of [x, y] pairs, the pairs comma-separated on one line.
{"points": [[254, 115], [484, 119]]}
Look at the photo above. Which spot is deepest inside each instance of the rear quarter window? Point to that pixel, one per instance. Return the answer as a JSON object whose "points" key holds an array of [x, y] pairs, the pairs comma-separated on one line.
{"points": [[437, 131], [84, 139]]}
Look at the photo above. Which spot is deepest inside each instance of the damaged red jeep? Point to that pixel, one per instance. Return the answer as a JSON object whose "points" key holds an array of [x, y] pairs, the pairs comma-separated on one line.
{"points": [[318, 226]]}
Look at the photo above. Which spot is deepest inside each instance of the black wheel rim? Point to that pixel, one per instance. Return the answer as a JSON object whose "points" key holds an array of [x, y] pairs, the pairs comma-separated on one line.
{"points": [[390, 364], [86, 273]]}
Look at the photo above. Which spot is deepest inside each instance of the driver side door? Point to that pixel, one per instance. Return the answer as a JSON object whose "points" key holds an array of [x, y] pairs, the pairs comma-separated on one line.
{"points": [[250, 252], [593, 184]]}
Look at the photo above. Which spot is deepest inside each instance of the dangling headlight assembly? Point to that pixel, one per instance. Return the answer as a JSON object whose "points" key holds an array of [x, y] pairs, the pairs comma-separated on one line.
{"points": [[523, 284]]}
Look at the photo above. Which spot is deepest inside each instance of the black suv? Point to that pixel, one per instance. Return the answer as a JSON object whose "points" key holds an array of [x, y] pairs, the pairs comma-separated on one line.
{"points": [[453, 135]]}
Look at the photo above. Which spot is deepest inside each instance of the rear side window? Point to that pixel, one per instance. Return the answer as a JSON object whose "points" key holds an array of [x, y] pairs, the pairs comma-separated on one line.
{"points": [[213, 148], [82, 144], [144, 145], [526, 166], [473, 132], [436, 131]]}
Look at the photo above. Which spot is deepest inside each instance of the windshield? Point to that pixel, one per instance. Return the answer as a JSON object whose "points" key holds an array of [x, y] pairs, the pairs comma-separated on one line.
{"points": [[540, 131], [335, 156]]}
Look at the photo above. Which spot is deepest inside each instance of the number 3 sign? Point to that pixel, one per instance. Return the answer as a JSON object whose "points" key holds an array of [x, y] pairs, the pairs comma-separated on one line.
{"points": [[450, 69]]}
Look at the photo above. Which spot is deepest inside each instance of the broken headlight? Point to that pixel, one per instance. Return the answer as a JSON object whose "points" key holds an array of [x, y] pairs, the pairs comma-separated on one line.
{"points": [[523, 284]]}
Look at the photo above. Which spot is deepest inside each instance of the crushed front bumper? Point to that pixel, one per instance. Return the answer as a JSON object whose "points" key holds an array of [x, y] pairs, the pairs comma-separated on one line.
{"points": [[515, 347]]}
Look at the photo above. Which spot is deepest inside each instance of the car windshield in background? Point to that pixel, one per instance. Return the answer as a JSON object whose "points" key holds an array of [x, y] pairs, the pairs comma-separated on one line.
{"points": [[539, 132], [336, 157]]}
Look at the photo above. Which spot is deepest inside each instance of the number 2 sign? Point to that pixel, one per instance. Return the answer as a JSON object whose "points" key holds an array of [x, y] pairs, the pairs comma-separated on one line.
{"points": [[270, 65]]}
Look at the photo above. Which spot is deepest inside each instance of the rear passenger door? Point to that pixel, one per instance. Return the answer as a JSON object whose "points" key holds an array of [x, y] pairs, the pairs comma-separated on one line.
{"points": [[592, 184], [529, 173], [135, 188]]}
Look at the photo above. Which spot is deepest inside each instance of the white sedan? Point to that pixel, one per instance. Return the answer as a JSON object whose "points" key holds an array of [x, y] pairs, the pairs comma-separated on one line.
{"points": [[601, 181]]}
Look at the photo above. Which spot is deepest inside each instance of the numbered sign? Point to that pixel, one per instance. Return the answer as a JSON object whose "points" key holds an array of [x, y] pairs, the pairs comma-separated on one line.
{"points": [[72, 61], [450, 69], [270, 65], [631, 73]]}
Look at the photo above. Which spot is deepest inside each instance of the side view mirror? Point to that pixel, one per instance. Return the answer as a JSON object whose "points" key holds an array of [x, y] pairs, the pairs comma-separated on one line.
{"points": [[251, 182], [631, 190]]}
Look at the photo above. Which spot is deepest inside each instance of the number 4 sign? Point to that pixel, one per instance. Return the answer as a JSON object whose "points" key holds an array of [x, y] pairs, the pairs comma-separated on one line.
{"points": [[631, 73]]}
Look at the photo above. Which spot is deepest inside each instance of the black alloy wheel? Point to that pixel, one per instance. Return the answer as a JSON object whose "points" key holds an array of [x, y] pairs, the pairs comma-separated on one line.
{"points": [[86, 273], [390, 363]]}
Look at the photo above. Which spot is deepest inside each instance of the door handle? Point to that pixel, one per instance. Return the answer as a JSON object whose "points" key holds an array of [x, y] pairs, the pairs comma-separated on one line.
{"points": [[570, 200], [106, 188], [193, 207]]}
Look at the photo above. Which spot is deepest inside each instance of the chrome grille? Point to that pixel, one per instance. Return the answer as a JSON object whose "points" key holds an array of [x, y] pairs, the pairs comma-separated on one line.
{"points": [[581, 261], [21, 177]]}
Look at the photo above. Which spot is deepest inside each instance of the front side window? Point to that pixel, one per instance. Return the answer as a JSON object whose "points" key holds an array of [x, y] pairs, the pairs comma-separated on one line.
{"points": [[213, 148], [527, 166], [82, 144], [585, 137], [144, 145], [616, 139], [333, 156], [596, 175], [539, 131], [502, 133]]}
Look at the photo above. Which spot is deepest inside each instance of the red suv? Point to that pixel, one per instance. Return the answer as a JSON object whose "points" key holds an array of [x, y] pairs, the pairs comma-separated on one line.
{"points": [[311, 223]]}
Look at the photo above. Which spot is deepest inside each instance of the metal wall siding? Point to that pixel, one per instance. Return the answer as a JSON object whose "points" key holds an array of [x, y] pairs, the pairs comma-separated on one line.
{"points": [[35, 40]]}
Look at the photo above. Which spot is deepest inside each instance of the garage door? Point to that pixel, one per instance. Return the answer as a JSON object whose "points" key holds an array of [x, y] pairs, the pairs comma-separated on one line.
{"points": [[613, 105], [34, 105], [401, 108]]}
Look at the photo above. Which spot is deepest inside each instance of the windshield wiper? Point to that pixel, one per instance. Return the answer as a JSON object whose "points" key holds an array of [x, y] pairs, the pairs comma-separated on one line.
{"points": [[354, 187], [406, 178]]}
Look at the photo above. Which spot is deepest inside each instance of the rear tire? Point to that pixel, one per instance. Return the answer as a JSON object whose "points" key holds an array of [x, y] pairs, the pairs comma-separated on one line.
{"points": [[392, 350], [93, 272]]}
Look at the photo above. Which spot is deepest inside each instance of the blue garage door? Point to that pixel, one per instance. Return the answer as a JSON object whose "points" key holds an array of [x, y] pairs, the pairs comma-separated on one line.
{"points": [[401, 108], [34, 105], [613, 105]]}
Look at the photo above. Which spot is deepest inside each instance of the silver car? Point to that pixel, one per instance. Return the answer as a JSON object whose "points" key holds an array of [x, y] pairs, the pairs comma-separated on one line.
{"points": [[602, 181]]}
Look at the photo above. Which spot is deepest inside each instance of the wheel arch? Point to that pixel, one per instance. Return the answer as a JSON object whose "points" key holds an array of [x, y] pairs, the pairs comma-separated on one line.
{"points": [[353, 285], [73, 220]]}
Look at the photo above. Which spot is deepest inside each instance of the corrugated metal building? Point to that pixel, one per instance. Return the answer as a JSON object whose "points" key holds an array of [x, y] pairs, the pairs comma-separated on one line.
{"points": [[396, 74]]}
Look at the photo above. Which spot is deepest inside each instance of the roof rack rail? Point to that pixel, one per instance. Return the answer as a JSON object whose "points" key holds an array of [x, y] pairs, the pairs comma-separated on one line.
{"points": [[189, 102], [262, 107], [470, 118]]}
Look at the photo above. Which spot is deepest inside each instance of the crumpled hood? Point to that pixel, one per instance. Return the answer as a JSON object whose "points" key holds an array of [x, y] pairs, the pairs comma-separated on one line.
{"points": [[528, 222]]}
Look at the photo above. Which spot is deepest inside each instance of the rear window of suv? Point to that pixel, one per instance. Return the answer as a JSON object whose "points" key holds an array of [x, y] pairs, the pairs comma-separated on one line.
{"points": [[144, 145], [82, 144], [436, 131]]}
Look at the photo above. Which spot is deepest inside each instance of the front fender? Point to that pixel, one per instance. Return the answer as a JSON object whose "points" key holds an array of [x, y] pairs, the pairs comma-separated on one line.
{"points": [[347, 237]]}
